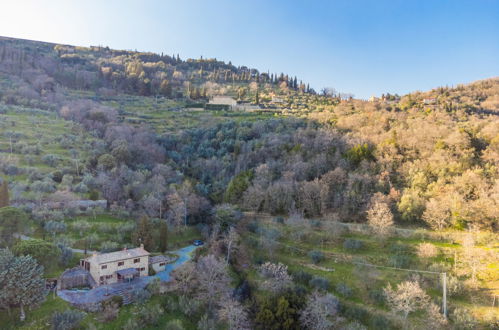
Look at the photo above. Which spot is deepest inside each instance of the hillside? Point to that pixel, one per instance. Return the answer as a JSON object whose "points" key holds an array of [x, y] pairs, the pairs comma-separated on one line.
{"points": [[332, 187]]}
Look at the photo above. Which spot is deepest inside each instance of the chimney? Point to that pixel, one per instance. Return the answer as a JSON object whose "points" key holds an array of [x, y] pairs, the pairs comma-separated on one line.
{"points": [[141, 246]]}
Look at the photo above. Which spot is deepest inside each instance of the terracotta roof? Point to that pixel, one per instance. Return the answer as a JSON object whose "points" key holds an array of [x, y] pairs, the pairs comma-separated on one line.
{"points": [[118, 255]]}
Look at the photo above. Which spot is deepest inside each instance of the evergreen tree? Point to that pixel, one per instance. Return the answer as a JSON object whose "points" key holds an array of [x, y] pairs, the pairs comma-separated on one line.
{"points": [[4, 194], [21, 280], [163, 236], [12, 220], [257, 97], [143, 234], [44, 252]]}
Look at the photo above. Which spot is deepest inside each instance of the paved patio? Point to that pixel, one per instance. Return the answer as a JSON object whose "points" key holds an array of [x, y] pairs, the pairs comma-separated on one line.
{"points": [[103, 292]]}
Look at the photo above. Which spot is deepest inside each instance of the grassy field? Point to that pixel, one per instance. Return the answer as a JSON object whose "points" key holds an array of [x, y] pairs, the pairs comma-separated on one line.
{"points": [[40, 318], [355, 282]]}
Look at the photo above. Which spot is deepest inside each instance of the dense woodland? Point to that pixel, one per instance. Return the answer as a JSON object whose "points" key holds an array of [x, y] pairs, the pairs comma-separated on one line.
{"points": [[426, 160]]}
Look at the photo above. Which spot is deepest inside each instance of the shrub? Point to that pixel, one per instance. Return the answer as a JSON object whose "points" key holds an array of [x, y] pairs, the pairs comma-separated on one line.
{"points": [[427, 250], [206, 323], [93, 195], [302, 276], [188, 306], [69, 319], [140, 295], [11, 170], [355, 313], [131, 324], [454, 286], [253, 227], [463, 319], [397, 248], [354, 325], [315, 224], [109, 246], [319, 283], [380, 322], [440, 267], [377, 296], [400, 261], [66, 255], [150, 314], [353, 244], [174, 325], [344, 290], [117, 300], [316, 256], [279, 220], [50, 160], [110, 310], [358, 153], [242, 291]]}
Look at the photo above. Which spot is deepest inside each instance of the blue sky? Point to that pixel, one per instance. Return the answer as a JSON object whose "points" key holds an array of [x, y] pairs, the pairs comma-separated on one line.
{"points": [[363, 47]]}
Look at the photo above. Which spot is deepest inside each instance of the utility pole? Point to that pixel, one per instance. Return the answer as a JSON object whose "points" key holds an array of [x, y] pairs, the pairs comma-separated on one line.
{"points": [[444, 294]]}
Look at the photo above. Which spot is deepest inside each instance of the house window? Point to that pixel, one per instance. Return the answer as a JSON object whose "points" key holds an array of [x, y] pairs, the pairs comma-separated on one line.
{"points": [[102, 278], [162, 264], [109, 276], [136, 260], [143, 268], [121, 263], [103, 267]]}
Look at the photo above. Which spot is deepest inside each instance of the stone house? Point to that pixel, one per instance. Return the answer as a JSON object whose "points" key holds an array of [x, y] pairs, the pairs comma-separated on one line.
{"points": [[119, 266]]}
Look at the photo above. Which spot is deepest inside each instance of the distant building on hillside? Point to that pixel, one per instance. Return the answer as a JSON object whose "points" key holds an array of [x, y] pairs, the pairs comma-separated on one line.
{"points": [[430, 100], [221, 99], [117, 266], [373, 99], [276, 99], [221, 102]]}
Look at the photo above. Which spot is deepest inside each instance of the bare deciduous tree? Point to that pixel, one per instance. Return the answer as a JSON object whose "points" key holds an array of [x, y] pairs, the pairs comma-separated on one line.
{"points": [[379, 217], [276, 277], [235, 315], [184, 278], [320, 311], [427, 250], [231, 240], [436, 215], [406, 298], [473, 259], [213, 280]]}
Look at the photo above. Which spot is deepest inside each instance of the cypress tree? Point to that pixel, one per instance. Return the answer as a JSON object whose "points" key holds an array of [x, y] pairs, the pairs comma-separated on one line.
{"points": [[143, 234], [4, 194], [163, 236]]}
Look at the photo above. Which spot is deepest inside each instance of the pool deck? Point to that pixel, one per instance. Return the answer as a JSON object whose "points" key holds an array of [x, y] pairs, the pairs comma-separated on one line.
{"points": [[104, 292]]}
